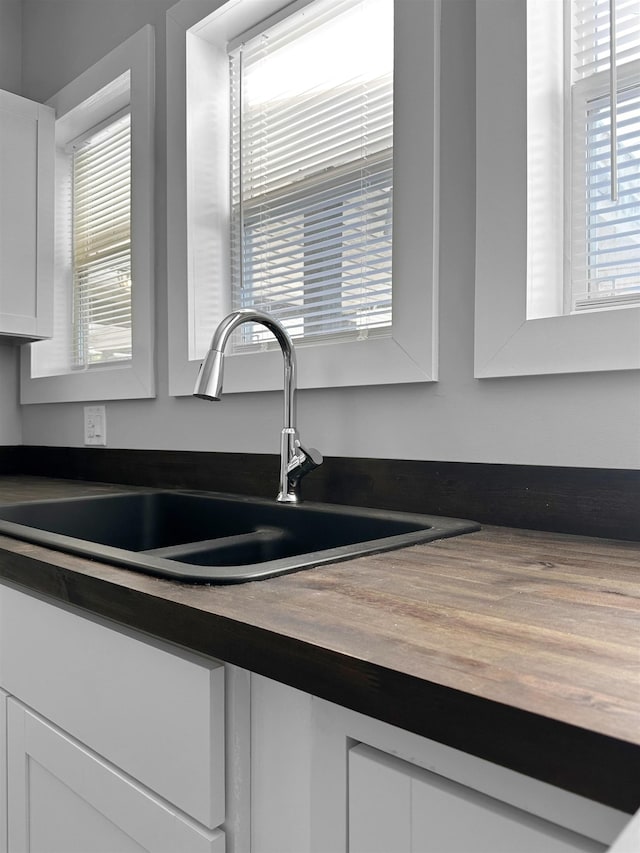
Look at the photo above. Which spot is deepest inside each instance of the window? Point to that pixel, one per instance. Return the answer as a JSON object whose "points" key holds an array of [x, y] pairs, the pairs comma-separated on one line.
{"points": [[553, 250], [583, 225], [102, 344], [312, 171], [318, 208], [605, 234], [101, 187]]}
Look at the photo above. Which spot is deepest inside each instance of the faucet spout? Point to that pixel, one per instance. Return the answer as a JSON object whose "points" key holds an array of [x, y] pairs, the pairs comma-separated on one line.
{"points": [[295, 461], [209, 385]]}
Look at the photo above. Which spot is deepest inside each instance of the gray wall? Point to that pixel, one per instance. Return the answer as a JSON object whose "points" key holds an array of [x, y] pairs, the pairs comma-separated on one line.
{"points": [[10, 38], [11, 80], [582, 420]]}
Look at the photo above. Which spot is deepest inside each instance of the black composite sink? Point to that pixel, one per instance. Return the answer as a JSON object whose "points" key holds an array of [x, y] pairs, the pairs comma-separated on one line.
{"points": [[215, 538]]}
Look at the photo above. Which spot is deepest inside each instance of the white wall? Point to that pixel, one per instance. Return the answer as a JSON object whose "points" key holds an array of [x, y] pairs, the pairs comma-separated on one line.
{"points": [[582, 420], [11, 80]]}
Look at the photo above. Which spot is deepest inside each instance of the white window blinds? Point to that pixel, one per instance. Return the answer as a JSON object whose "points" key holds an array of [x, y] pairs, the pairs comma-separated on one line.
{"points": [[312, 170], [592, 31], [605, 232], [102, 245]]}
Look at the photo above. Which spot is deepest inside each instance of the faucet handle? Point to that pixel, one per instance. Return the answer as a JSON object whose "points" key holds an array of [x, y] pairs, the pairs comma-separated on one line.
{"points": [[304, 461], [301, 461]]}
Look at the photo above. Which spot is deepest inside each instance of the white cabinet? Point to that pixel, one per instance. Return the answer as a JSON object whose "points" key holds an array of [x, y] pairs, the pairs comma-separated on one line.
{"points": [[117, 742], [356, 785], [114, 741], [63, 798], [26, 218], [395, 805], [154, 711]]}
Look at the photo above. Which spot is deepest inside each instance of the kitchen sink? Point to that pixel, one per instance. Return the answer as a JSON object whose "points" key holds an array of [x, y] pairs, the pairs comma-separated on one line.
{"points": [[217, 538]]}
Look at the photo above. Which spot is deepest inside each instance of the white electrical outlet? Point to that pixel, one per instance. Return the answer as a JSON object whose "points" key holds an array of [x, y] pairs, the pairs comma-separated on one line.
{"points": [[95, 425]]}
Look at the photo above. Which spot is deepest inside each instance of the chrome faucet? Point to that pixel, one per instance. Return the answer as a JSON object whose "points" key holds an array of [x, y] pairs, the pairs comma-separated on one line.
{"points": [[295, 460]]}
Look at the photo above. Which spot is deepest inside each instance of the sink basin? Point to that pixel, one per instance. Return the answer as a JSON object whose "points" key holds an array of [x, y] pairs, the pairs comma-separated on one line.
{"points": [[216, 538]]}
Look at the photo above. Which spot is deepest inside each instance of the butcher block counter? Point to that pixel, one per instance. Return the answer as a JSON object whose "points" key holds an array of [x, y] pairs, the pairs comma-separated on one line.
{"points": [[517, 646]]}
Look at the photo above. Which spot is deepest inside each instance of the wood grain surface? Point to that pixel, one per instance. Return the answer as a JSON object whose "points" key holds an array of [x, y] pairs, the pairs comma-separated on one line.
{"points": [[521, 647]]}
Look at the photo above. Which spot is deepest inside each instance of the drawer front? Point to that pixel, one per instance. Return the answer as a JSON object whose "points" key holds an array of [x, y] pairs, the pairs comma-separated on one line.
{"points": [[155, 712], [64, 798]]}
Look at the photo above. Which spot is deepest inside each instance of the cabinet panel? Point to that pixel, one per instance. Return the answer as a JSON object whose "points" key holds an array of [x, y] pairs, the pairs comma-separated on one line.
{"points": [[26, 217], [394, 805], [379, 807], [153, 711], [65, 799], [3, 772], [18, 201], [629, 839]]}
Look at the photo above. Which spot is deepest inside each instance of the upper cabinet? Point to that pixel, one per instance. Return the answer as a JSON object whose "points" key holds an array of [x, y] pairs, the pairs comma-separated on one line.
{"points": [[26, 218]]}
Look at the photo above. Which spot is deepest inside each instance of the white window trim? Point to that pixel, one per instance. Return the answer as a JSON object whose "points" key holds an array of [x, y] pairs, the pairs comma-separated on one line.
{"points": [[507, 343], [197, 238], [133, 379]]}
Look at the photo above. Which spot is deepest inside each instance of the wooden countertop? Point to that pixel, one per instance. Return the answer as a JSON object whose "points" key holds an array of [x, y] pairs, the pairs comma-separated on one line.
{"points": [[518, 646]]}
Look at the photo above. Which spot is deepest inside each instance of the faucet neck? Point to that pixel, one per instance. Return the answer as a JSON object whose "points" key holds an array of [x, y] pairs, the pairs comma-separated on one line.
{"points": [[249, 315]]}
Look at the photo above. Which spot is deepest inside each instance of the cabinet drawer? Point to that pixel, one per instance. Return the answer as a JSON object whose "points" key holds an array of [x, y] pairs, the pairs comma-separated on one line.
{"points": [[64, 798], [153, 711]]}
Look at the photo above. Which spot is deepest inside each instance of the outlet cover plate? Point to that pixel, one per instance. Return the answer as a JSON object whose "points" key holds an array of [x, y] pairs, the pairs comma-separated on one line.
{"points": [[95, 425]]}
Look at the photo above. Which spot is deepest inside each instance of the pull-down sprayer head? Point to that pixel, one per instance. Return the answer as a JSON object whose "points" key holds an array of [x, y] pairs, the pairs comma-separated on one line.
{"points": [[209, 384]]}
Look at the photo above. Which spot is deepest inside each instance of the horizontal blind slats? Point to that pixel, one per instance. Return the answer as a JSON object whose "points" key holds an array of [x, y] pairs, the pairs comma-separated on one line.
{"points": [[591, 24], [316, 193], [102, 246], [287, 219], [605, 234], [92, 157], [311, 168], [97, 189]]}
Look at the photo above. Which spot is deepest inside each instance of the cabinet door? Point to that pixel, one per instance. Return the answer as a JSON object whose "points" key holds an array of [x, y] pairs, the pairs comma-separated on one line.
{"points": [[63, 798], [396, 806], [26, 217]]}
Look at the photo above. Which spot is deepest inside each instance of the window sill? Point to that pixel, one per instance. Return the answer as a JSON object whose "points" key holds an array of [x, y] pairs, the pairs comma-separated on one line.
{"points": [[506, 342], [120, 382], [574, 343], [376, 361]]}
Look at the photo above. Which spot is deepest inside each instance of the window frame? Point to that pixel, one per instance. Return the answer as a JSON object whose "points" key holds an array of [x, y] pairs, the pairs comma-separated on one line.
{"points": [[198, 225], [78, 107], [508, 342]]}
